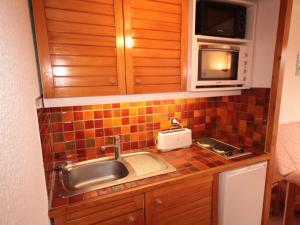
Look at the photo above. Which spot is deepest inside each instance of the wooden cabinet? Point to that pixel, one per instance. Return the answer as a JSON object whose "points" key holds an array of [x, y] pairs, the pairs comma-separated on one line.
{"points": [[106, 47], [156, 61], [187, 203], [128, 210], [80, 47]]}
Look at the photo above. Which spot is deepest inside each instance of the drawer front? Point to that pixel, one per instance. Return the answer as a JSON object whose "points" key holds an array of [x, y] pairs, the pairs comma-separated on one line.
{"points": [[96, 213], [135, 218], [182, 204]]}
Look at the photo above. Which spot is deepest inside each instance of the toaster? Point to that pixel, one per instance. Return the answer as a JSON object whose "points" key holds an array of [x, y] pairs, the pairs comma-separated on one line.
{"points": [[173, 139]]}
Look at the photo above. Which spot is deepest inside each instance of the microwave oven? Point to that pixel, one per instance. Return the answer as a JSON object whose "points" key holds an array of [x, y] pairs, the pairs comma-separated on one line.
{"points": [[219, 66], [220, 19]]}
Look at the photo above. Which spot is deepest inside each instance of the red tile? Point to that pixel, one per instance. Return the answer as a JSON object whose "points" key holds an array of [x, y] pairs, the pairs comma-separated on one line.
{"points": [[98, 123], [68, 126], [107, 113], [125, 121], [99, 133], [79, 135], [108, 131], [89, 124], [57, 127], [125, 112], [98, 114], [78, 115], [133, 128]]}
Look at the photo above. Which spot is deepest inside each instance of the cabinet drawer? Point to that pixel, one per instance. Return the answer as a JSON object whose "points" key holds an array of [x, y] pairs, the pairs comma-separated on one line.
{"points": [[182, 204], [135, 218], [98, 212]]}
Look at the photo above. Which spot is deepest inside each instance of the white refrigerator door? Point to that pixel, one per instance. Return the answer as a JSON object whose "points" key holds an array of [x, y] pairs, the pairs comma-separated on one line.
{"points": [[241, 194]]}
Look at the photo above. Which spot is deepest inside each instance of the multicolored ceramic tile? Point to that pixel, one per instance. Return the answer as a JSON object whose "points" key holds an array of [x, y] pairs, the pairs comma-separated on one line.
{"points": [[77, 133]]}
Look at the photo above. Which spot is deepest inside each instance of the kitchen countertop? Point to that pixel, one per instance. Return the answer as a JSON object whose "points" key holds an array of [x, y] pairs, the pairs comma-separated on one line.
{"points": [[189, 161]]}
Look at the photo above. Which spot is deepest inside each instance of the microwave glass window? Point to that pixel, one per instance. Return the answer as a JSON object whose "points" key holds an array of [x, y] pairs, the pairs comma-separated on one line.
{"points": [[217, 65], [219, 21]]}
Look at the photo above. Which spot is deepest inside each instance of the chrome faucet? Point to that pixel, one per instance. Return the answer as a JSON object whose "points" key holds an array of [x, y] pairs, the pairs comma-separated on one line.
{"points": [[116, 146]]}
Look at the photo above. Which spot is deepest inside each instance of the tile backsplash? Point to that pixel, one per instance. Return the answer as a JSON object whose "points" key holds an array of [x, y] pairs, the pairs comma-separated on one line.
{"points": [[76, 133]]}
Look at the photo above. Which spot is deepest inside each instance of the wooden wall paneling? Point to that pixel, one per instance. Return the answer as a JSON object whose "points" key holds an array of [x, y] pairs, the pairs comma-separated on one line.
{"points": [[43, 48], [157, 61], [275, 98]]}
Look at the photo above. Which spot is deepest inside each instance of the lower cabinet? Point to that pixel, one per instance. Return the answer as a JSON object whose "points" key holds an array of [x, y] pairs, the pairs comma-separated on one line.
{"points": [[135, 218], [182, 202], [187, 203]]}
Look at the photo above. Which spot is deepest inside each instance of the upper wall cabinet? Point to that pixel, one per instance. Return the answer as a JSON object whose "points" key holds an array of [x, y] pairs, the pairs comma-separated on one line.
{"points": [[107, 47], [156, 55]]}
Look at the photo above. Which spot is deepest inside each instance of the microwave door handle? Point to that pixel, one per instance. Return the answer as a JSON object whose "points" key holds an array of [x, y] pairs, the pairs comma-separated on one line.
{"points": [[219, 49]]}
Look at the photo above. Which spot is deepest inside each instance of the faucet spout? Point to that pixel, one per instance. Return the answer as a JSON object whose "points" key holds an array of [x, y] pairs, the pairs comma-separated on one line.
{"points": [[116, 146]]}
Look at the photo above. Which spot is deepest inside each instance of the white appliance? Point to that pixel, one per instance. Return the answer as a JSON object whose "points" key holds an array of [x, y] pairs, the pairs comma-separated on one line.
{"points": [[173, 139], [219, 66], [241, 195]]}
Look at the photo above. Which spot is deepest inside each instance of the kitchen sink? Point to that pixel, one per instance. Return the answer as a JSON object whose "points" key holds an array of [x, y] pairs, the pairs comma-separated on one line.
{"points": [[76, 178]]}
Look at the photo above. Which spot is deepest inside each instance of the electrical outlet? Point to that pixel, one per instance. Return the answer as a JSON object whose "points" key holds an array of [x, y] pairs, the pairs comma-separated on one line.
{"points": [[174, 121], [298, 65]]}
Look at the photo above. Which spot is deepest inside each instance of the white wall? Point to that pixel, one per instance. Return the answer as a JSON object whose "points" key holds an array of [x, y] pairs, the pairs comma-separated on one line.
{"points": [[23, 197], [290, 103], [265, 40]]}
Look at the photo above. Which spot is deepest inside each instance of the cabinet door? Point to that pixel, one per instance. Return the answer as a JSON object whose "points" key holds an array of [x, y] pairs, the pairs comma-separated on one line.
{"points": [[188, 203], [80, 47], [135, 218], [155, 45]]}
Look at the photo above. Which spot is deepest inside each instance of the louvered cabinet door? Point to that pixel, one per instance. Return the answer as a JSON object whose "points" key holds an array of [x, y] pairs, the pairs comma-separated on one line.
{"points": [[80, 47], [155, 47]]}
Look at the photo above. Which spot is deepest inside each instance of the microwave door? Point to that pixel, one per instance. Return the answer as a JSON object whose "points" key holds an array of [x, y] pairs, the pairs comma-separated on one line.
{"points": [[217, 64]]}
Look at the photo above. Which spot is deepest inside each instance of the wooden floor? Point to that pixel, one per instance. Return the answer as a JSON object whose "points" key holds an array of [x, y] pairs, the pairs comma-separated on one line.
{"points": [[277, 220]]}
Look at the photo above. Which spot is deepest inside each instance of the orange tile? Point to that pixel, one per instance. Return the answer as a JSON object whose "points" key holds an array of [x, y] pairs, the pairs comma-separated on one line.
{"points": [[196, 113], [133, 104], [142, 110], [156, 118], [134, 137], [133, 120], [142, 136], [164, 125], [133, 111], [117, 122], [59, 147], [124, 105], [107, 123], [125, 129], [97, 107], [69, 136], [141, 104], [107, 106], [156, 109], [99, 141], [67, 116], [89, 133], [88, 115], [177, 114], [79, 125], [164, 118]]}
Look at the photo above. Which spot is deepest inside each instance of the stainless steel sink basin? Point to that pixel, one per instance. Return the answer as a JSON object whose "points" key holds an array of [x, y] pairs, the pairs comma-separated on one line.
{"points": [[94, 174], [81, 176]]}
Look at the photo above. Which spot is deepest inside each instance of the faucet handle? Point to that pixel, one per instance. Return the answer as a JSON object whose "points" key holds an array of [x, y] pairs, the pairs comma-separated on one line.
{"points": [[115, 139]]}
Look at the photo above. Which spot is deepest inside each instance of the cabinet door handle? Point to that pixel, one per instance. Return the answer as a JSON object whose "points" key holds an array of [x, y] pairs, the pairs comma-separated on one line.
{"points": [[158, 201], [112, 81], [138, 81], [131, 219]]}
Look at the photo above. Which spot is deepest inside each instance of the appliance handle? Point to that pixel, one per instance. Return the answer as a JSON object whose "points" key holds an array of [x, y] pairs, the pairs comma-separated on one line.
{"points": [[219, 49]]}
